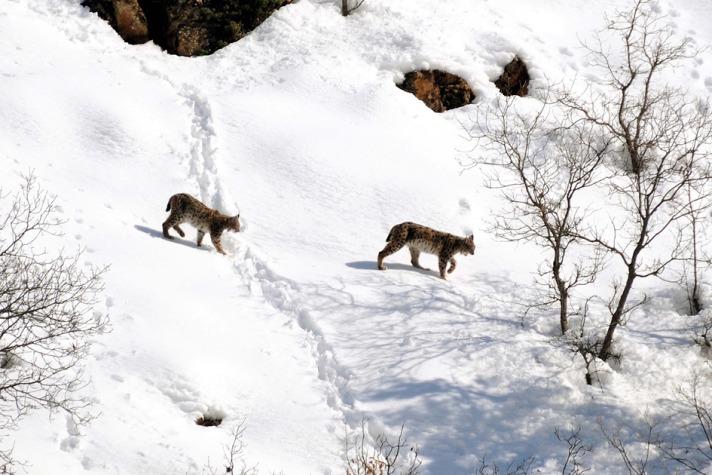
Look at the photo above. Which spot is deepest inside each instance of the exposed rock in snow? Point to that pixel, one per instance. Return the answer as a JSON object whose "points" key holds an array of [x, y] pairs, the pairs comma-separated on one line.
{"points": [[514, 80], [130, 21], [439, 90], [184, 28]]}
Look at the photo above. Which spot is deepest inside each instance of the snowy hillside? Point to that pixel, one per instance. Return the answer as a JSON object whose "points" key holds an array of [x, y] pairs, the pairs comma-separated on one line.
{"points": [[300, 128]]}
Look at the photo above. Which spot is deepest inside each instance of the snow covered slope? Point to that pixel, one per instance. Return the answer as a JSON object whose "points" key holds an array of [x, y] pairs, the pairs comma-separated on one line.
{"points": [[300, 128]]}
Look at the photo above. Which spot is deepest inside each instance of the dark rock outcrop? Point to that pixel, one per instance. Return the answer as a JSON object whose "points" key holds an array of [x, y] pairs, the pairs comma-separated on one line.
{"points": [[130, 21], [124, 16], [184, 27], [439, 90], [514, 80]]}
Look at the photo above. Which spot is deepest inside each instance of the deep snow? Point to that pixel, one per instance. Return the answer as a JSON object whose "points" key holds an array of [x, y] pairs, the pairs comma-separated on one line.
{"points": [[300, 128]]}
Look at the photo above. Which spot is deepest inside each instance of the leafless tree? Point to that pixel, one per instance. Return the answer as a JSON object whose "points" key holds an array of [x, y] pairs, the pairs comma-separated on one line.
{"points": [[388, 455], [46, 320], [662, 139], [347, 9], [548, 161]]}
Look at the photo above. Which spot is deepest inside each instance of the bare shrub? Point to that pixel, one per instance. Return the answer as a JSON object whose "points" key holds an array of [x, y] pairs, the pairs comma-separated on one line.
{"points": [[635, 463], [693, 451], [576, 450], [522, 467], [388, 455], [46, 320], [703, 333], [587, 345], [234, 454]]}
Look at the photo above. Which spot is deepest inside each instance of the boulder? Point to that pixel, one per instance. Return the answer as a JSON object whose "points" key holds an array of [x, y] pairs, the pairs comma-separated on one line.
{"points": [[439, 90], [514, 80], [130, 21], [125, 16]]}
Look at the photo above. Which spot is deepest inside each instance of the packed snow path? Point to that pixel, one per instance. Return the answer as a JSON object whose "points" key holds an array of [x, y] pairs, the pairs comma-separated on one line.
{"points": [[300, 128]]}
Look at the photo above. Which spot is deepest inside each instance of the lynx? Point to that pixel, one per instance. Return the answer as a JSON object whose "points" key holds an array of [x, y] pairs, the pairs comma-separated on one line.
{"points": [[185, 208], [420, 238]]}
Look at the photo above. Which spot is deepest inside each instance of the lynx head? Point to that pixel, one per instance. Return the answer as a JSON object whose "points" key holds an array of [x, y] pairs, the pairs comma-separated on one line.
{"points": [[233, 223], [469, 245]]}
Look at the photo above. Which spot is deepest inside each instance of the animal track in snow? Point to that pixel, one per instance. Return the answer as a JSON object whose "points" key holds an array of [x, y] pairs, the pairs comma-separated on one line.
{"points": [[87, 463], [70, 442], [281, 293], [202, 162], [464, 206]]}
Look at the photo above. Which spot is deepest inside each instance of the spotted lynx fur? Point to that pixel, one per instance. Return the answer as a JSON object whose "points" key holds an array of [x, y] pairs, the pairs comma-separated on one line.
{"points": [[420, 238], [186, 209]]}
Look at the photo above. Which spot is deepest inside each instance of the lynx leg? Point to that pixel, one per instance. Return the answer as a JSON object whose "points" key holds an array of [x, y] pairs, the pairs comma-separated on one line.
{"points": [[169, 223], [217, 244], [201, 235], [414, 255], [391, 247], [453, 264], [180, 231], [442, 263]]}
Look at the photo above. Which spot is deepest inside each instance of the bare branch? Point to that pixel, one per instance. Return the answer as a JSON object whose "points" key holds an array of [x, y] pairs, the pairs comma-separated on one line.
{"points": [[575, 450], [46, 319], [387, 455]]}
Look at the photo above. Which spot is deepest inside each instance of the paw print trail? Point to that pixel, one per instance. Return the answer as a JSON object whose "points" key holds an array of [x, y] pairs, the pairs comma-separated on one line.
{"points": [[253, 271]]}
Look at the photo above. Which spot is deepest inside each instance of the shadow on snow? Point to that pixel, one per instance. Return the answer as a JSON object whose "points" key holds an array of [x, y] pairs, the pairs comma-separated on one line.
{"points": [[154, 233]]}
